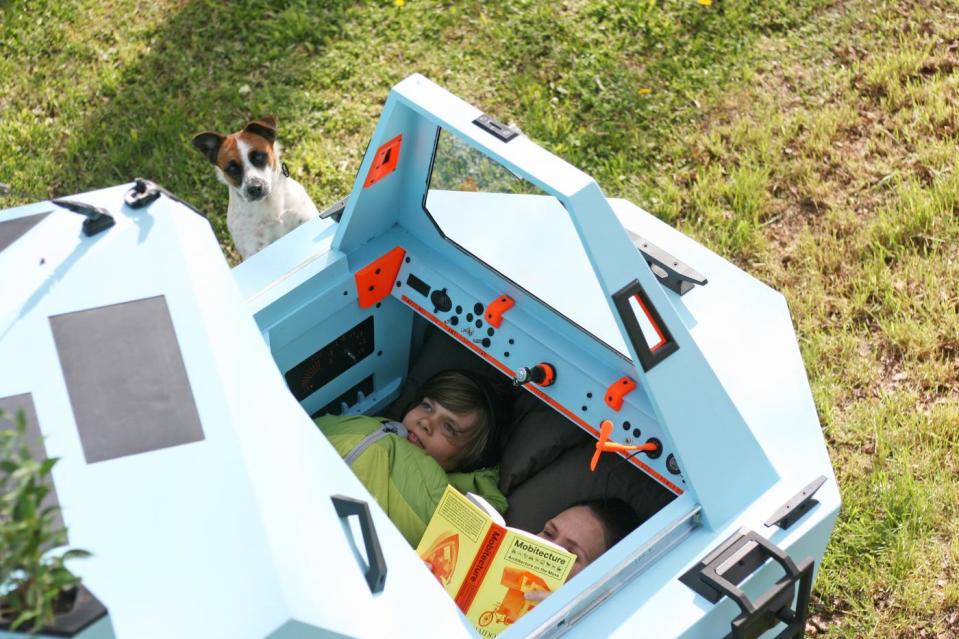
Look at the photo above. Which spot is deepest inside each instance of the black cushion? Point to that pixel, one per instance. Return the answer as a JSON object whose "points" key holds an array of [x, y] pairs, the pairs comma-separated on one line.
{"points": [[567, 481]]}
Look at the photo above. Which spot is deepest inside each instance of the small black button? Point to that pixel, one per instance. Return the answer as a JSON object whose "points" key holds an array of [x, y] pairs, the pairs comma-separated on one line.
{"points": [[478, 308], [490, 332], [486, 342], [469, 317], [454, 320], [479, 323], [459, 309]]}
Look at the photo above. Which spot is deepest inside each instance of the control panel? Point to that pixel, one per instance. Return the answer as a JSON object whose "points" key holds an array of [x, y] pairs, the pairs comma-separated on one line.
{"points": [[569, 370]]}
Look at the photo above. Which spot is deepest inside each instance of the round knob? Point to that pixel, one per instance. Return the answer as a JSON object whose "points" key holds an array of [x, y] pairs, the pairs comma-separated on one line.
{"points": [[542, 374], [441, 301]]}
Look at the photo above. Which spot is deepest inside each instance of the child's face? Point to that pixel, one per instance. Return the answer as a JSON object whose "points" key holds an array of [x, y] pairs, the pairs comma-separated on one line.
{"points": [[438, 431]]}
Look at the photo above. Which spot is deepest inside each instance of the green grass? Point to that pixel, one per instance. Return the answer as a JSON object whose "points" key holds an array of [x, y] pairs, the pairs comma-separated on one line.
{"points": [[813, 142]]}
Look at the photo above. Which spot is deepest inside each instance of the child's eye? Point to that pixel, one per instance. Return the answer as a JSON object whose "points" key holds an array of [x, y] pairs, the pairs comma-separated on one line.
{"points": [[449, 429], [425, 405]]}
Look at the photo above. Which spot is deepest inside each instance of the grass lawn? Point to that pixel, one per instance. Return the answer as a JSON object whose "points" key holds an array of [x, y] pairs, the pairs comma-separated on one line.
{"points": [[812, 142]]}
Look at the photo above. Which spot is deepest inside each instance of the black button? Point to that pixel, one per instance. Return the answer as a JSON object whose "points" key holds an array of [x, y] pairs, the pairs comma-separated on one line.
{"points": [[459, 309], [478, 308], [490, 332], [454, 320], [486, 342], [637, 432], [479, 323], [469, 317]]}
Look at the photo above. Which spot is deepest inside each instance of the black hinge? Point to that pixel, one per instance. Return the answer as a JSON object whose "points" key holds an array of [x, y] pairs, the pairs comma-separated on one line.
{"points": [[672, 273], [722, 570], [336, 210], [793, 510], [495, 128]]}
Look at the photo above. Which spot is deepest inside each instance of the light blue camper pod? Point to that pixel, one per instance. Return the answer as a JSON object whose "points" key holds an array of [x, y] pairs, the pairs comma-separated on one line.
{"points": [[222, 525]]}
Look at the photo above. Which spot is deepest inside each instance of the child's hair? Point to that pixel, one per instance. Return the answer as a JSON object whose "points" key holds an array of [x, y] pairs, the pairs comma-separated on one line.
{"points": [[617, 517], [462, 392]]}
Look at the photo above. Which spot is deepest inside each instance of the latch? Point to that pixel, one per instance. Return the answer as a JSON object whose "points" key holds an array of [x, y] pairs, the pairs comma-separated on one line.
{"points": [[672, 273], [722, 570], [97, 219]]}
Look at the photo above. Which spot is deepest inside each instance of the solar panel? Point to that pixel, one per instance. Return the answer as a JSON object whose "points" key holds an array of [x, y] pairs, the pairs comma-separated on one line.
{"points": [[126, 379]]}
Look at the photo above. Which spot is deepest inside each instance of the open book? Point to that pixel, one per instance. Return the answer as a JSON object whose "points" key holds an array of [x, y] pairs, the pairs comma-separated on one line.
{"points": [[486, 566]]}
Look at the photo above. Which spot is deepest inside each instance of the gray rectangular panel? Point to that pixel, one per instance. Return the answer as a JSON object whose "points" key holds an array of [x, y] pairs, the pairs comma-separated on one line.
{"points": [[11, 230], [10, 405], [126, 379]]}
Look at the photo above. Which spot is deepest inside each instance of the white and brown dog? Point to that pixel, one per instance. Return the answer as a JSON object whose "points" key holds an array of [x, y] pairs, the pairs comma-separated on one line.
{"points": [[265, 203]]}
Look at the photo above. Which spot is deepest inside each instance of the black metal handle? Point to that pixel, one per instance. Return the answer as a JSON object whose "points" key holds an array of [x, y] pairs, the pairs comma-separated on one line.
{"points": [[737, 560], [376, 573]]}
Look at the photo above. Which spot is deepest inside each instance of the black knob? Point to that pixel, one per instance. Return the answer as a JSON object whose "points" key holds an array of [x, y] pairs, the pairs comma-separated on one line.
{"points": [[441, 301], [672, 465]]}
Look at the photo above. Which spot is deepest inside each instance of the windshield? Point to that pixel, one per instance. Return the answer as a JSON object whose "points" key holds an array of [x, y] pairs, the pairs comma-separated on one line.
{"points": [[520, 231]]}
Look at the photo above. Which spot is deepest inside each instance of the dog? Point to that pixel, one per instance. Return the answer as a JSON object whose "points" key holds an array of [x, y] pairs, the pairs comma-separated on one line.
{"points": [[265, 202]]}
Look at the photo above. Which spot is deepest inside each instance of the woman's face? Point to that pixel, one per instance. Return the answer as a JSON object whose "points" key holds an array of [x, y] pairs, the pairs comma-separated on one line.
{"points": [[439, 431], [579, 531]]}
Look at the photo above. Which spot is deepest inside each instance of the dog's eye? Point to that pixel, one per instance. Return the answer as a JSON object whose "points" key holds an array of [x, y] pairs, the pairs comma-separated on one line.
{"points": [[258, 159], [233, 169]]}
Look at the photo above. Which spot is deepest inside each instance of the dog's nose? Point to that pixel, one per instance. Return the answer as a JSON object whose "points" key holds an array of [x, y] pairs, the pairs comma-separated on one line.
{"points": [[254, 190]]}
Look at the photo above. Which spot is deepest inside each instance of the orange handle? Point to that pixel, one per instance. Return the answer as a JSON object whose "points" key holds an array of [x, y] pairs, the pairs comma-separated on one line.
{"points": [[496, 308]]}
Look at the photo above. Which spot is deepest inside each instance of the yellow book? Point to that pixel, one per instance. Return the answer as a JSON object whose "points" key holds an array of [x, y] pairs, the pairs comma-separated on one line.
{"points": [[486, 566]]}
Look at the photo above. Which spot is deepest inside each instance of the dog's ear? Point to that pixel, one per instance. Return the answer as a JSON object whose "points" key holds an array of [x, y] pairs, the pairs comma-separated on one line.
{"points": [[208, 143], [264, 127]]}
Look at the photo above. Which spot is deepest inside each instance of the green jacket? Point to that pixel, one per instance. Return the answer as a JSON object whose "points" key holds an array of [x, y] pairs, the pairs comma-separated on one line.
{"points": [[405, 481]]}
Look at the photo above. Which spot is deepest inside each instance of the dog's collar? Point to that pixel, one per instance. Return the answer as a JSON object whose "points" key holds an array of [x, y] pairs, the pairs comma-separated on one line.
{"points": [[284, 169]]}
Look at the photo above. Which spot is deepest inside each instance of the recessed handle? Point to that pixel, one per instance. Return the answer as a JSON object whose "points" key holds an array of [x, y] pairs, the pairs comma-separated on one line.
{"points": [[376, 573]]}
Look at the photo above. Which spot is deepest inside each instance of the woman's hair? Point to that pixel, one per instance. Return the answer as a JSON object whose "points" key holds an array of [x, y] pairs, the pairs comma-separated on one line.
{"points": [[461, 393], [617, 517]]}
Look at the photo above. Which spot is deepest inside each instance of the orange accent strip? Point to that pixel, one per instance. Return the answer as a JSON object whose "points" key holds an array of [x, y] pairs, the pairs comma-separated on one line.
{"points": [[480, 566], [375, 280], [534, 390], [659, 331], [617, 391], [384, 162], [496, 308]]}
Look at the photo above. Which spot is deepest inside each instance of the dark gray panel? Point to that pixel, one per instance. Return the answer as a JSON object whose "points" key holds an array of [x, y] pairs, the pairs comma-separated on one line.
{"points": [[11, 230], [13, 403], [126, 379]]}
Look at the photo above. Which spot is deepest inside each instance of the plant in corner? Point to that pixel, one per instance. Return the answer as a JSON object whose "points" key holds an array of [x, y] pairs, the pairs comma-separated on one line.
{"points": [[38, 593]]}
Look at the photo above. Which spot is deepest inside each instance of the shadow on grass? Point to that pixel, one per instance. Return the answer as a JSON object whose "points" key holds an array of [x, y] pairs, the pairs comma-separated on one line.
{"points": [[212, 66]]}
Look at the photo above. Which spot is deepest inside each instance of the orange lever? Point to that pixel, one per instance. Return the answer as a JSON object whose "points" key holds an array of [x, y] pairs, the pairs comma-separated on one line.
{"points": [[603, 445]]}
